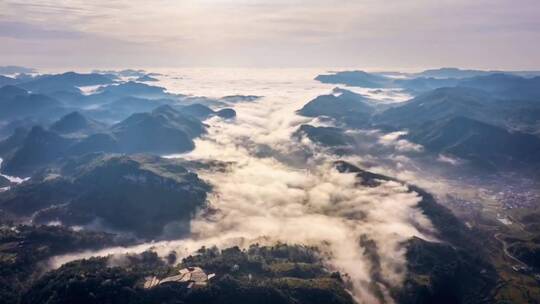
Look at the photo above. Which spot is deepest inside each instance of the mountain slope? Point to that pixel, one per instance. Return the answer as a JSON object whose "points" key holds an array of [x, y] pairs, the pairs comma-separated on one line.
{"points": [[18, 103], [69, 82], [138, 194], [327, 136], [440, 104], [355, 78], [164, 130], [75, 122], [452, 270], [39, 148], [506, 86], [479, 142], [345, 107]]}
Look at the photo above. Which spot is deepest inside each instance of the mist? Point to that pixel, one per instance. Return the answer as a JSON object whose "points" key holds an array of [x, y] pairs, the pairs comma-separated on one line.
{"points": [[275, 189]]}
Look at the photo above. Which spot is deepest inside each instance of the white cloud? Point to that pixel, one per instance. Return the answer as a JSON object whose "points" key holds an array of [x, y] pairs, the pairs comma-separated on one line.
{"points": [[449, 160], [273, 192], [299, 33]]}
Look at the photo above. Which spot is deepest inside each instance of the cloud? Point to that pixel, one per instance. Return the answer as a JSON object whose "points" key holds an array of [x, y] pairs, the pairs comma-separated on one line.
{"points": [[277, 189], [402, 145], [448, 159], [298, 33], [20, 30]]}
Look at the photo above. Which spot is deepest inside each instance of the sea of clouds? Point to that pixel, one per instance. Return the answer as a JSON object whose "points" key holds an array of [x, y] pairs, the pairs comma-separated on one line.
{"points": [[276, 189]]}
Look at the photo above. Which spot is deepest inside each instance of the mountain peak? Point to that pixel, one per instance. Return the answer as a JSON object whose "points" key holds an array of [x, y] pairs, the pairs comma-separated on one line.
{"points": [[74, 122]]}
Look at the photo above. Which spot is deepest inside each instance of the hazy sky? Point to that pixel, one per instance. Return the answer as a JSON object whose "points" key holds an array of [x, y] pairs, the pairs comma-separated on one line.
{"points": [[271, 33]]}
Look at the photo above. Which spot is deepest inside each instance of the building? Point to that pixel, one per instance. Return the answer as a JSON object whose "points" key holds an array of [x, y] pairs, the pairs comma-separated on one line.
{"points": [[193, 277]]}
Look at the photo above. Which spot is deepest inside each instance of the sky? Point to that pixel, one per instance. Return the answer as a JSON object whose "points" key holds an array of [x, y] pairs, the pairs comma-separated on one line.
{"points": [[373, 34]]}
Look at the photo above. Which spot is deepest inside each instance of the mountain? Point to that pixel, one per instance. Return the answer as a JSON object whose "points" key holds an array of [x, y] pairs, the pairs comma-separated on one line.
{"points": [[146, 132], [366, 178], [511, 84], [355, 78], [451, 73], [458, 73], [453, 269], [110, 101], [239, 98], [420, 83], [280, 274], [137, 194], [476, 124], [226, 113], [123, 73], [440, 104], [10, 91], [4, 80], [164, 130], [190, 125], [424, 84], [344, 106], [75, 122], [133, 89], [135, 104], [440, 273], [69, 81], [198, 110], [13, 142], [36, 105], [479, 142], [29, 150], [4, 182], [39, 148], [203, 112], [7, 128], [526, 120], [17, 103], [327, 136], [145, 78], [70, 98], [24, 248], [527, 251], [114, 110], [100, 142], [506, 86]]}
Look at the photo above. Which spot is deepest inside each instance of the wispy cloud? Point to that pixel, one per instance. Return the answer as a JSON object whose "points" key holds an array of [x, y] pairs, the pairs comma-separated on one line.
{"points": [[301, 32], [23, 31]]}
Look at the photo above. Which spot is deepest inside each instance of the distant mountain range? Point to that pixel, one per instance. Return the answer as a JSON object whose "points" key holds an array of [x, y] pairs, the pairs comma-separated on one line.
{"points": [[45, 98], [48, 117], [13, 69], [355, 78], [432, 79], [465, 73], [163, 130], [69, 81], [17, 103], [483, 144], [490, 119]]}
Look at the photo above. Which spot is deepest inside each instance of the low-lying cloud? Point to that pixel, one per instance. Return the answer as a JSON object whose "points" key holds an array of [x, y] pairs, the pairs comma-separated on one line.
{"points": [[278, 189]]}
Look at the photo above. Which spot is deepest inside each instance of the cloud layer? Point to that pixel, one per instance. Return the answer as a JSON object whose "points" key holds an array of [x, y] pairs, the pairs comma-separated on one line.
{"points": [[367, 33], [277, 189]]}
